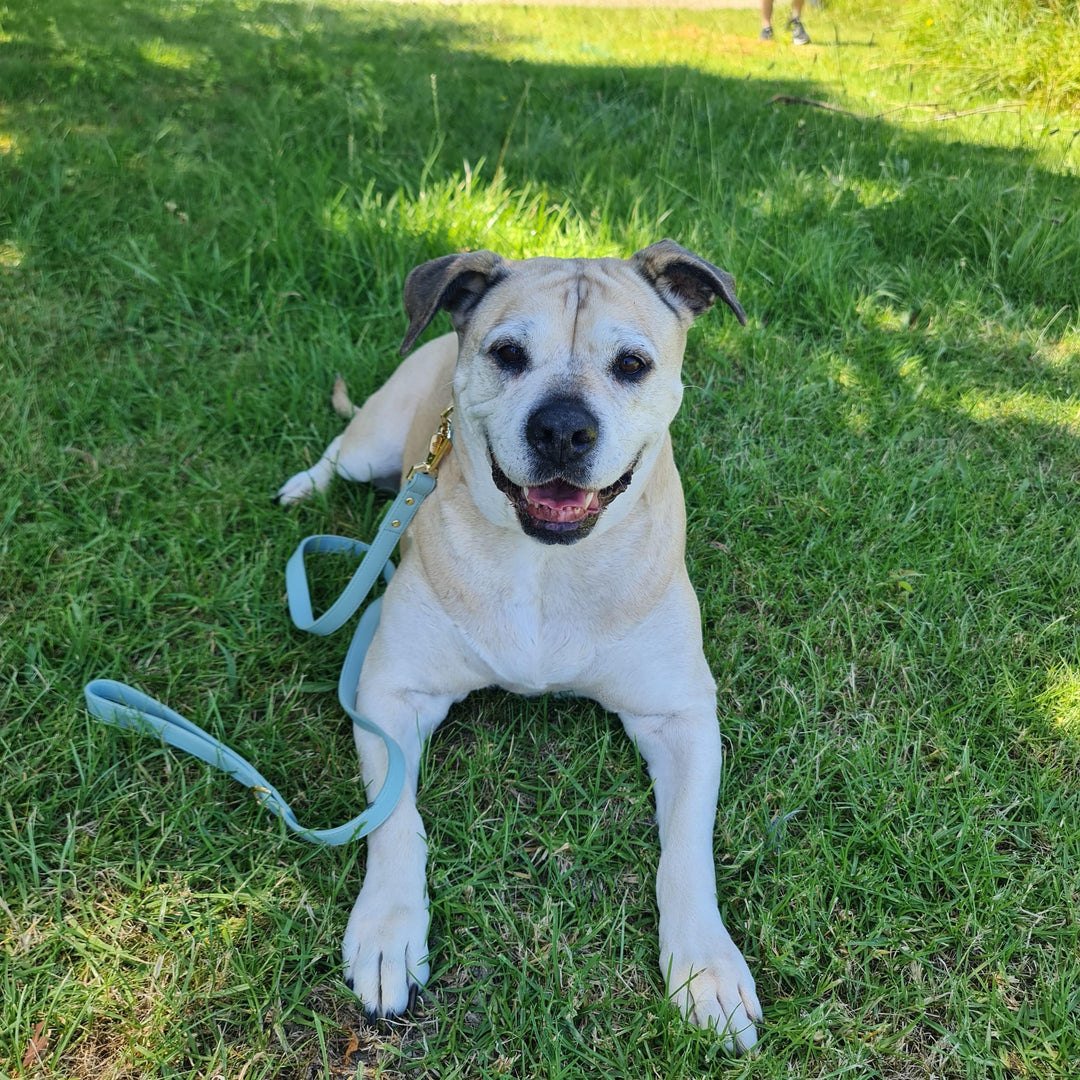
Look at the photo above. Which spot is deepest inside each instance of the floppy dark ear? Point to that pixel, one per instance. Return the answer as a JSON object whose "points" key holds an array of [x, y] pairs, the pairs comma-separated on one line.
{"points": [[684, 280], [454, 283]]}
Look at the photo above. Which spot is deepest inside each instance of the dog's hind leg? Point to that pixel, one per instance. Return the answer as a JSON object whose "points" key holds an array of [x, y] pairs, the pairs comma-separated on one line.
{"points": [[371, 449]]}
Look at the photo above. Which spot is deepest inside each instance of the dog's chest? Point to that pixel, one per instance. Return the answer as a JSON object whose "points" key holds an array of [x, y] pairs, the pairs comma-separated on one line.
{"points": [[533, 632]]}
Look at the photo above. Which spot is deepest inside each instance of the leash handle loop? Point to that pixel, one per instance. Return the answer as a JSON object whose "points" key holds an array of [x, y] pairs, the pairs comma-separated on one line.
{"points": [[122, 706]]}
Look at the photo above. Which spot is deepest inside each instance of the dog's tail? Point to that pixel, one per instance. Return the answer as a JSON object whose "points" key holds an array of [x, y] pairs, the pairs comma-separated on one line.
{"points": [[340, 400]]}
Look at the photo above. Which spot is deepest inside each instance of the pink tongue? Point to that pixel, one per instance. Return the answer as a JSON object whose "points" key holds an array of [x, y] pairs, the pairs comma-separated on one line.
{"points": [[558, 496], [558, 501]]}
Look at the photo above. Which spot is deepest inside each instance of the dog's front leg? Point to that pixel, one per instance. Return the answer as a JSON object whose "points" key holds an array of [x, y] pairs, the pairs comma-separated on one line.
{"points": [[385, 948], [705, 972]]}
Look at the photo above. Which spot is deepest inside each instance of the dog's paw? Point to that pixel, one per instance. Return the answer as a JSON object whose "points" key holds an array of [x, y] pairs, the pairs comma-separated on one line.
{"points": [[386, 953], [708, 979], [296, 489]]}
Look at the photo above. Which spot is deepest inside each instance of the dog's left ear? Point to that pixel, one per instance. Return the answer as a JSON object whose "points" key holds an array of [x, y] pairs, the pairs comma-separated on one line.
{"points": [[455, 283], [684, 280]]}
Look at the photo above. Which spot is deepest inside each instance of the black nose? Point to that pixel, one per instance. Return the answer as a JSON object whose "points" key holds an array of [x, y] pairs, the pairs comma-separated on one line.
{"points": [[562, 431]]}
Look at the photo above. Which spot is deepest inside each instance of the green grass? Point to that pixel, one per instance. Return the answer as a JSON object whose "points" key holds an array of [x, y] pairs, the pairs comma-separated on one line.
{"points": [[960, 43], [208, 208]]}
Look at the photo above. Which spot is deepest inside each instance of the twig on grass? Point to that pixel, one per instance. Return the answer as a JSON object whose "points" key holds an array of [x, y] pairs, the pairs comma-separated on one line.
{"points": [[955, 115], [787, 99], [952, 114]]}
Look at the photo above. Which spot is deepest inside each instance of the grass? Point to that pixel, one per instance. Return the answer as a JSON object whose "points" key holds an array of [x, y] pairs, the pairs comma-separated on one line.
{"points": [[208, 208], [1042, 62]]}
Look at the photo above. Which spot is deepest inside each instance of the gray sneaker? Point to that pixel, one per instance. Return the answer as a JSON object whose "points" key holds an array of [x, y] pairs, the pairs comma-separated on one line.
{"points": [[766, 34], [799, 36]]}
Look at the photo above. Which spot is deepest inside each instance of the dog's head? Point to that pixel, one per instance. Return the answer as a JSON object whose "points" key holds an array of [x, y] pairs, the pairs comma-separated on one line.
{"points": [[568, 375]]}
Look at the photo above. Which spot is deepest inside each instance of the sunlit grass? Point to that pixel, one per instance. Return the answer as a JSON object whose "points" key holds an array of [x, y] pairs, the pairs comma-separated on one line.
{"points": [[1042, 62], [1061, 700], [1027, 408], [157, 51], [10, 256]]}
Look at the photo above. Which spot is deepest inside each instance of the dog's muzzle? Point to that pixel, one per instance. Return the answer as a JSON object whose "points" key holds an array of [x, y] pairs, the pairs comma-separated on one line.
{"points": [[562, 434]]}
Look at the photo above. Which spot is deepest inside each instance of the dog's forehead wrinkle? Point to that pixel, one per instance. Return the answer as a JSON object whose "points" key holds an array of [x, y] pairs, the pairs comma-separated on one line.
{"points": [[580, 292], [586, 308]]}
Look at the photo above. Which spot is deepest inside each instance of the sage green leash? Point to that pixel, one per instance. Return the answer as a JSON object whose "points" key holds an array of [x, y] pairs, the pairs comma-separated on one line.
{"points": [[122, 706]]}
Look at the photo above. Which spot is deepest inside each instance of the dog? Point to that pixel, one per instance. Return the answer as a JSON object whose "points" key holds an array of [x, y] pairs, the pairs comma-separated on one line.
{"points": [[550, 557]]}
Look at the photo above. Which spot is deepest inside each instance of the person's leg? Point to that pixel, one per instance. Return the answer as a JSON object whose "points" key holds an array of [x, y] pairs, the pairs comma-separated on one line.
{"points": [[766, 20], [799, 36]]}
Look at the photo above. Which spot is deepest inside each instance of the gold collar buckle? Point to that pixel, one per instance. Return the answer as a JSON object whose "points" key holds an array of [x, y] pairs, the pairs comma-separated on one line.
{"points": [[441, 444]]}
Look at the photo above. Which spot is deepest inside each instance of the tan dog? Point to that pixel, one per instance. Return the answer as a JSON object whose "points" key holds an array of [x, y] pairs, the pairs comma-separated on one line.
{"points": [[549, 558]]}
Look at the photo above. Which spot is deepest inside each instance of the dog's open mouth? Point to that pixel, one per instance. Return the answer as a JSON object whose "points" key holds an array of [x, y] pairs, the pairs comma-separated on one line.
{"points": [[558, 512]]}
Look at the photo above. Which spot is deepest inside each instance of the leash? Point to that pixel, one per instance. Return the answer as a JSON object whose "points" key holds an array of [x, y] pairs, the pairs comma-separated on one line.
{"points": [[118, 705]]}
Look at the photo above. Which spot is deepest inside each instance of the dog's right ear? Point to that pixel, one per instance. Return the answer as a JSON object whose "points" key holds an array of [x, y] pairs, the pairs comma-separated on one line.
{"points": [[455, 283]]}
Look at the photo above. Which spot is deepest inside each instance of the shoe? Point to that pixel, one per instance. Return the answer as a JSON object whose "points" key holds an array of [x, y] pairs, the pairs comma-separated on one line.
{"points": [[766, 34], [799, 36]]}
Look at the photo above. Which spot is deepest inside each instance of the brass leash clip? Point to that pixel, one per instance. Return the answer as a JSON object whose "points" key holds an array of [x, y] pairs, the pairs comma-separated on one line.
{"points": [[441, 444]]}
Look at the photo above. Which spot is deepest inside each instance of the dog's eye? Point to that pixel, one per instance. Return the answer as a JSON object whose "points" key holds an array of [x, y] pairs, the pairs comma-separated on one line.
{"points": [[630, 367], [510, 357]]}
